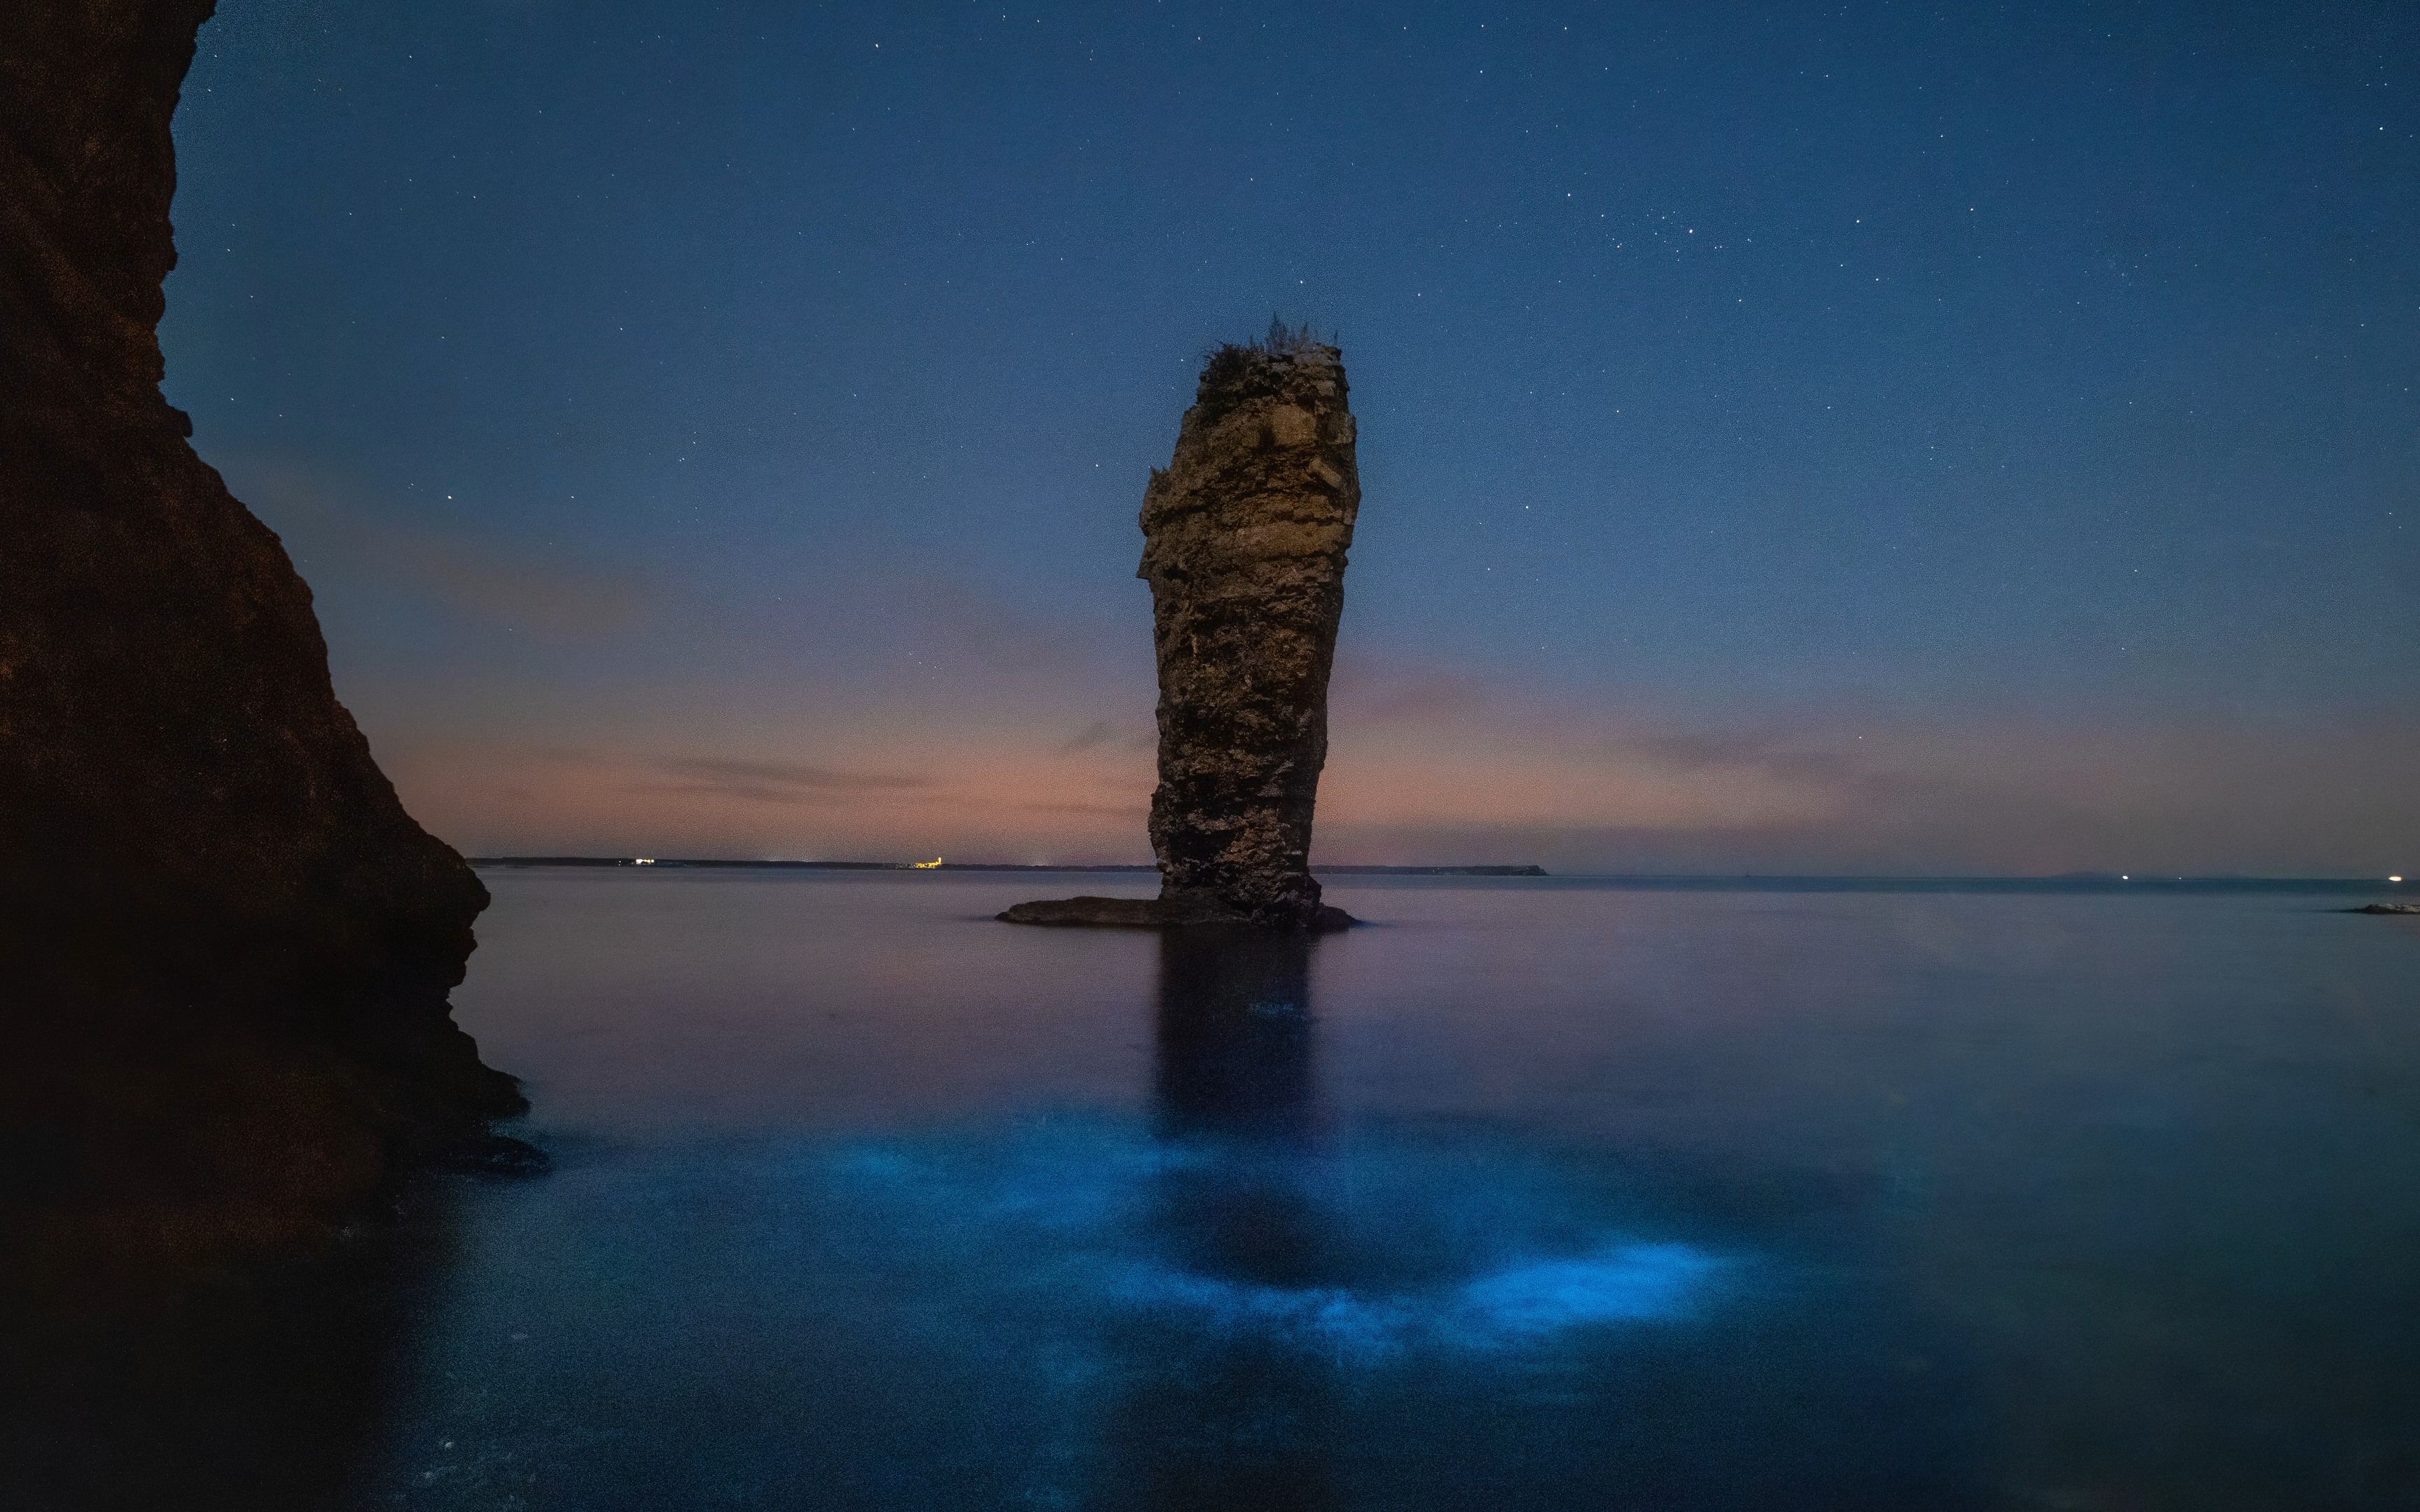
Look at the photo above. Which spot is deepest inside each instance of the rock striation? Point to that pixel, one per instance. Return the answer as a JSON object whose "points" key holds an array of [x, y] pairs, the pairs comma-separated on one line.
{"points": [[1244, 536], [225, 947]]}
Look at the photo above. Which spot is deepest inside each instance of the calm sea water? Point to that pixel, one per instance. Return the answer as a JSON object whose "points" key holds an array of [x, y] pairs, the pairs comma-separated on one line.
{"points": [[1532, 1195]]}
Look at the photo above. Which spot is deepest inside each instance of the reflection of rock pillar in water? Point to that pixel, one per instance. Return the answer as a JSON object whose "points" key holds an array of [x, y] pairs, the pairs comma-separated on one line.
{"points": [[1240, 1416], [1244, 536], [1235, 1037], [1235, 1079]]}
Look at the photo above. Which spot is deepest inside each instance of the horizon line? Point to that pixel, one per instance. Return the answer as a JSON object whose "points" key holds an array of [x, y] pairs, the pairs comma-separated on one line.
{"points": [[1472, 869]]}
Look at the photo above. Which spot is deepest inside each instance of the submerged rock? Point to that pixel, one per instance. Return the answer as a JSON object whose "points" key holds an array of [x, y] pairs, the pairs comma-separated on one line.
{"points": [[1245, 537], [227, 946]]}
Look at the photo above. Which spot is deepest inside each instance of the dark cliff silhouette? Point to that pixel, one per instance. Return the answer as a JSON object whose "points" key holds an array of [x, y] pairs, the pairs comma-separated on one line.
{"points": [[1244, 536], [225, 947]]}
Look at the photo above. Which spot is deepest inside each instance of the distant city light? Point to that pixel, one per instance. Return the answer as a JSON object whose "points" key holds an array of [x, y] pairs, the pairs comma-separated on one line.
{"points": [[642, 860]]}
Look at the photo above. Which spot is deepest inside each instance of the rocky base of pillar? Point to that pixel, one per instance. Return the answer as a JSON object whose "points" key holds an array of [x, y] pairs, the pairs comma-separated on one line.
{"points": [[1162, 913]]}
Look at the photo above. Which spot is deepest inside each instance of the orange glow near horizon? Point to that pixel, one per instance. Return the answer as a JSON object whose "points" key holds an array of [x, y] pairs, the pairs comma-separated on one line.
{"points": [[1416, 786]]}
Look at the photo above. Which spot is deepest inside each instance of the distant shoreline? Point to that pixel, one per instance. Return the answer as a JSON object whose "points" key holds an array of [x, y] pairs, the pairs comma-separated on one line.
{"points": [[984, 865], [2093, 881]]}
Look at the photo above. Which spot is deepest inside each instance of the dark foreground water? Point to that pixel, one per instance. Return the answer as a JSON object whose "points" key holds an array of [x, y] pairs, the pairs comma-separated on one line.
{"points": [[1534, 1194]]}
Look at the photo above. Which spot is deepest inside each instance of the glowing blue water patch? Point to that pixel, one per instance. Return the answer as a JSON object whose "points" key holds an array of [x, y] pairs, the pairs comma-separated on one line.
{"points": [[1528, 1301], [1074, 1212], [1328, 1316], [1066, 1178], [1619, 1283]]}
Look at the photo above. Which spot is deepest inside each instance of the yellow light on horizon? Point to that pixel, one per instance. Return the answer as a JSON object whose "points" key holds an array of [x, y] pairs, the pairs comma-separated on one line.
{"points": [[925, 866], [2393, 879]]}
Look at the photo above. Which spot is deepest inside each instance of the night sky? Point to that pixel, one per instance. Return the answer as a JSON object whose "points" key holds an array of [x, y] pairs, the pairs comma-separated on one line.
{"points": [[1948, 439]]}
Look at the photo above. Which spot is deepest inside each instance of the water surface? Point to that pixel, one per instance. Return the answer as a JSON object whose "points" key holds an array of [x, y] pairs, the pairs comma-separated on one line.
{"points": [[1534, 1195]]}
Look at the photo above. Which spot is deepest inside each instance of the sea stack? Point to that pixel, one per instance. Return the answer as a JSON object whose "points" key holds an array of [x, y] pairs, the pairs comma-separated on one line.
{"points": [[1244, 536], [226, 947]]}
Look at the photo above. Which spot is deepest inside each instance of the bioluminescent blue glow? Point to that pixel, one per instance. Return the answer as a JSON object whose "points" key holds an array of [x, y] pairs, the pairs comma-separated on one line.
{"points": [[1565, 1196], [1617, 1282], [1508, 1257], [1524, 1302]]}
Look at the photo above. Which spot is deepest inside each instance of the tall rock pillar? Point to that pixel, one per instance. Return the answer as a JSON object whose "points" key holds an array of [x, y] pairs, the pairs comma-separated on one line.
{"points": [[1243, 543]]}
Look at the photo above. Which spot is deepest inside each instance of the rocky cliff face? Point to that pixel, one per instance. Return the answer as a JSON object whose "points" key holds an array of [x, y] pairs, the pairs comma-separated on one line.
{"points": [[225, 947], [1244, 536]]}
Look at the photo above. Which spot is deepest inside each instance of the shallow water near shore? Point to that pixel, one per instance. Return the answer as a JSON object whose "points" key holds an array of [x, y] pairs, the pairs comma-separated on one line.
{"points": [[1530, 1195]]}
